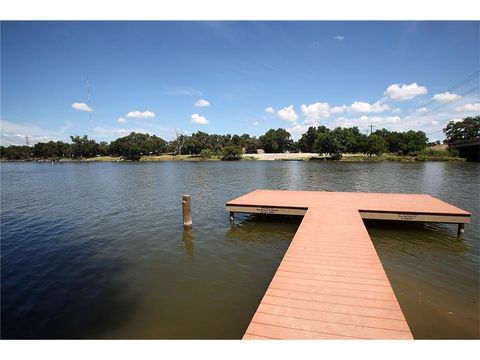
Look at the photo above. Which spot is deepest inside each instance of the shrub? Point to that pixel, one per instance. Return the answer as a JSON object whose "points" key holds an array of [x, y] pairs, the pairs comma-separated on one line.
{"points": [[231, 152], [206, 154]]}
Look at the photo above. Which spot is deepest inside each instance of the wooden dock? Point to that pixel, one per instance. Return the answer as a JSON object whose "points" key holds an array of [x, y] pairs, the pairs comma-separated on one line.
{"points": [[331, 283]]}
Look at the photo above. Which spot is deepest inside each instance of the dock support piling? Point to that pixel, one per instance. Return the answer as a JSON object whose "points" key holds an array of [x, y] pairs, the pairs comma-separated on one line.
{"points": [[461, 229], [187, 212], [232, 216]]}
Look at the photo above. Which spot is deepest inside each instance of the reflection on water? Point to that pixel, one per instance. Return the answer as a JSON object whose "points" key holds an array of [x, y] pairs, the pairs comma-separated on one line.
{"points": [[99, 250], [188, 241]]}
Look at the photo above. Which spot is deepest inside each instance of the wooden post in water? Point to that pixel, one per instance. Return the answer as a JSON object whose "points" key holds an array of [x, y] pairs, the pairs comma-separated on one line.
{"points": [[187, 212], [461, 229]]}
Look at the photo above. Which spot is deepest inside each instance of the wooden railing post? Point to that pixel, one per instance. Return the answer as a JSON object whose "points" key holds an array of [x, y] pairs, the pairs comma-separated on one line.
{"points": [[187, 212]]}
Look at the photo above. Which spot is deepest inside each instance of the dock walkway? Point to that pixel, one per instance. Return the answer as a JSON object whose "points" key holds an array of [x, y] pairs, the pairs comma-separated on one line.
{"points": [[331, 283]]}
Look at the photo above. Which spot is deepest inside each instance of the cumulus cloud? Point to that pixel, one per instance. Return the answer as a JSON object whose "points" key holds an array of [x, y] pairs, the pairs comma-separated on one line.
{"points": [[269, 110], [446, 97], [82, 107], [255, 123], [472, 107], [288, 114], [315, 112], [338, 109], [339, 37], [422, 110], [434, 122], [201, 103], [405, 92], [141, 114], [121, 120], [364, 107], [197, 119]]}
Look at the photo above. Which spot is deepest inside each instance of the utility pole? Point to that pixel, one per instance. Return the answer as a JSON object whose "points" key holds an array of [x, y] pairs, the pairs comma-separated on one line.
{"points": [[371, 128]]}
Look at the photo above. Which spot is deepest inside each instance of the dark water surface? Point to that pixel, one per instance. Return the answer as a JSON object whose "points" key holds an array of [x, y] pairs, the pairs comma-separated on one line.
{"points": [[97, 250]]}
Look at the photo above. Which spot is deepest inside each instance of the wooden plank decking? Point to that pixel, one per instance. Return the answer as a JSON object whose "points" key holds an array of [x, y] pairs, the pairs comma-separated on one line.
{"points": [[331, 283]]}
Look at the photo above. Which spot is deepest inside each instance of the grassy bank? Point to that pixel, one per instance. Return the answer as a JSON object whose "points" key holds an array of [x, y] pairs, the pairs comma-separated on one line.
{"points": [[427, 155], [397, 158]]}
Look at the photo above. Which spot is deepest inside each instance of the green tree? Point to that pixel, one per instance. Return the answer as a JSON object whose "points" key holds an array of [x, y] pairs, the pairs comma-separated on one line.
{"points": [[327, 143], [83, 147], [274, 141], [375, 145], [14, 152], [468, 128], [306, 143]]}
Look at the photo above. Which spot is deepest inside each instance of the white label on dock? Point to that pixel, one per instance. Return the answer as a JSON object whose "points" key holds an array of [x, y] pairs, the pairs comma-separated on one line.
{"points": [[407, 217], [267, 210]]}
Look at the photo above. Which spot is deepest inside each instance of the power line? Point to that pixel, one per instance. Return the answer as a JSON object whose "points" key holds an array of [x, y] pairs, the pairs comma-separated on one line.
{"points": [[455, 87], [463, 94]]}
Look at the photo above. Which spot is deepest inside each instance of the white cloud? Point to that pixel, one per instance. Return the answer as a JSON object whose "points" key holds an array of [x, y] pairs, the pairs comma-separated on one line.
{"points": [[112, 132], [16, 134], [405, 92], [422, 110], [121, 120], [472, 107], [338, 109], [269, 110], [82, 107], [201, 103], [315, 112], [288, 114], [365, 121], [434, 122], [363, 107], [255, 123], [396, 111], [297, 130], [339, 37], [141, 114], [446, 97], [197, 119]]}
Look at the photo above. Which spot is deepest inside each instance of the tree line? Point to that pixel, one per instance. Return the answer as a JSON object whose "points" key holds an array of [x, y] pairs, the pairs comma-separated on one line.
{"points": [[321, 140]]}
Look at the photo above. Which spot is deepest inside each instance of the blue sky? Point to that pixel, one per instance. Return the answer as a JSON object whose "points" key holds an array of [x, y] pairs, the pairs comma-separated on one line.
{"points": [[233, 77]]}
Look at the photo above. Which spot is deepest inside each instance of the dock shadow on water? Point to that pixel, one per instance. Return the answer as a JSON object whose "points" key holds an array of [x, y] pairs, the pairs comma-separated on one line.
{"points": [[60, 291], [261, 227]]}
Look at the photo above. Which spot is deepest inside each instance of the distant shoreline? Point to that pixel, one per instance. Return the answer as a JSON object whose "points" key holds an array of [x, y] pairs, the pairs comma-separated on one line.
{"points": [[259, 157]]}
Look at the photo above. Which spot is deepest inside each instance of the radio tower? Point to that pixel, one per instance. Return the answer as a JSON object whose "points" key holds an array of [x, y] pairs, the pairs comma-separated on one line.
{"points": [[89, 102], [26, 140]]}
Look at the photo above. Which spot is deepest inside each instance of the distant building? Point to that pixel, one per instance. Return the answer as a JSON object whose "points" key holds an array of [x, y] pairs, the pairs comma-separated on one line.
{"points": [[260, 151]]}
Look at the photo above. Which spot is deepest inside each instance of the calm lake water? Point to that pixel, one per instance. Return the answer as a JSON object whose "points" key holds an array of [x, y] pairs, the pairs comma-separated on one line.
{"points": [[97, 250]]}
